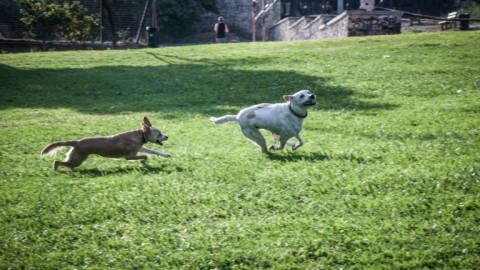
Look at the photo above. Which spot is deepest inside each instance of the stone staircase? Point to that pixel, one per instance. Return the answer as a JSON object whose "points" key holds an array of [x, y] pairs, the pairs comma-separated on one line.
{"points": [[349, 23], [298, 28]]}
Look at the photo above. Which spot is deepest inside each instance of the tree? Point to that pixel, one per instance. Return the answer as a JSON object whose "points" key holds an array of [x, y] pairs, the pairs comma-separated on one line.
{"points": [[46, 20], [427, 7], [77, 23], [40, 18], [175, 17], [106, 6], [471, 7]]}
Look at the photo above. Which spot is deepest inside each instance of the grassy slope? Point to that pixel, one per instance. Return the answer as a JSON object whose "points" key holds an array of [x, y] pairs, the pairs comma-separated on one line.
{"points": [[388, 175]]}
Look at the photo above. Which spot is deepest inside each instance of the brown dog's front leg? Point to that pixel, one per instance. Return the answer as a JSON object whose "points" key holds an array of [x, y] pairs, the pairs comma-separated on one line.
{"points": [[133, 157], [153, 152]]}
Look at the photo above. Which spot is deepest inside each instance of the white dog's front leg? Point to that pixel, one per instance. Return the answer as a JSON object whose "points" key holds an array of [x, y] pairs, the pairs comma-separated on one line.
{"points": [[153, 152], [300, 142], [282, 143], [277, 138]]}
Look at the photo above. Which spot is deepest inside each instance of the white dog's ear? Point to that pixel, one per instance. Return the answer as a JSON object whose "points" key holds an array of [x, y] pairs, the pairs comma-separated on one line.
{"points": [[146, 122], [287, 98]]}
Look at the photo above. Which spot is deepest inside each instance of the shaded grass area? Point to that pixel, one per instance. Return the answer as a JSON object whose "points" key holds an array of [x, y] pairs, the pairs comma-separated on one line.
{"points": [[197, 88], [387, 178]]}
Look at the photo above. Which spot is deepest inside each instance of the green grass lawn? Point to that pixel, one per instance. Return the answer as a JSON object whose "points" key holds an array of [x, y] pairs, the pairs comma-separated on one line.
{"points": [[388, 177]]}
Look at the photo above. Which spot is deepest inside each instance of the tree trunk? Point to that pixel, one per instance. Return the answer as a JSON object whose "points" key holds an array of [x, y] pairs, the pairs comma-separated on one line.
{"points": [[112, 24]]}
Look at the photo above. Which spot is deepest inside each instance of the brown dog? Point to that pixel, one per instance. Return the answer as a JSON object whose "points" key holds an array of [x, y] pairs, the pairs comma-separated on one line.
{"points": [[124, 145]]}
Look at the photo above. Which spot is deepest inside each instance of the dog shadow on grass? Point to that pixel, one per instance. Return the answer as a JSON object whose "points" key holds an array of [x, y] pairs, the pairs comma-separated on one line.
{"points": [[319, 156], [296, 156], [144, 169]]}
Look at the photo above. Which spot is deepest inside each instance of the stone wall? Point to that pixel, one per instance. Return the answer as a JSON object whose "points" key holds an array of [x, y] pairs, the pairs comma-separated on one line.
{"points": [[282, 30], [336, 28], [362, 23], [349, 23]]}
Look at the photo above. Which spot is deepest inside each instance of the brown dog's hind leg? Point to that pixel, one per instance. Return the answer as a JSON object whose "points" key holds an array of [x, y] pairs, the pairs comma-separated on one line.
{"points": [[73, 160]]}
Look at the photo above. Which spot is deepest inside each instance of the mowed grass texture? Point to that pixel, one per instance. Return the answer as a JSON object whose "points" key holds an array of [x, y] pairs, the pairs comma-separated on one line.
{"points": [[388, 177]]}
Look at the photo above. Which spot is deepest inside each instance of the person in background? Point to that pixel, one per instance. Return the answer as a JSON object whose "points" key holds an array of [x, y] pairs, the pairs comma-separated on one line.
{"points": [[328, 7], [221, 29]]}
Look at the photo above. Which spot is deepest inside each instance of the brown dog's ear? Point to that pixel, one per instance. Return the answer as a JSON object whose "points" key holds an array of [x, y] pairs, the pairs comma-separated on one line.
{"points": [[287, 98], [146, 122]]}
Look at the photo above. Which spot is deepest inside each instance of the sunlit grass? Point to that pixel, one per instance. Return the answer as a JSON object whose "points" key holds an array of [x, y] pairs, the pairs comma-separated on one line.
{"points": [[387, 178]]}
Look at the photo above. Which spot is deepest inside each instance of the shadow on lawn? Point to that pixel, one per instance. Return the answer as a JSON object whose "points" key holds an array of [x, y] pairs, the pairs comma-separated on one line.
{"points": [[174, 86], [316, 156], [295, 156], [143, 169]]}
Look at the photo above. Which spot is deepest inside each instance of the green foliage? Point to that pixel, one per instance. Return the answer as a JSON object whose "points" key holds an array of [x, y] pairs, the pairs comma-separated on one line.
{"points": [[47, 20], [41, 18], [471, 7], [177, 17], [388, 177], [78, 24]]}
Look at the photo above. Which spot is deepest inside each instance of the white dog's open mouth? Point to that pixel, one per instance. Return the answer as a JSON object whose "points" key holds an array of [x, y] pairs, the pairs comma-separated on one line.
{"points": [[310, 103]]}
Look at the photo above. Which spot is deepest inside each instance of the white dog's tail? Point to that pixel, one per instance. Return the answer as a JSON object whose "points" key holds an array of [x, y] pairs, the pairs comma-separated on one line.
{"points": [[224, 119]]}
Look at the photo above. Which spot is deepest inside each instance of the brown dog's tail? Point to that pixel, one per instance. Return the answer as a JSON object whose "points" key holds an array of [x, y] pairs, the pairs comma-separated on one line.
{"points": [[52, 148]]}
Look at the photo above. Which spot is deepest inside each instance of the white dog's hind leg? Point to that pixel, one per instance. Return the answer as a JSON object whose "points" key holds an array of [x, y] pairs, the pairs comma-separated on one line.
{"points": [[255, 136]]}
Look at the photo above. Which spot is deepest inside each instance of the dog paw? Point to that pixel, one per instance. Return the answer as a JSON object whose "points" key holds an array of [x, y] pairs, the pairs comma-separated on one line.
{"points": [[167, 155], [274, 147], [296, 146]]}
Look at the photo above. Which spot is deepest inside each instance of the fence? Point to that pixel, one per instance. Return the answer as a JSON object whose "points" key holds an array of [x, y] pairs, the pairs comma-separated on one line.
{"points": [[125, 14]]}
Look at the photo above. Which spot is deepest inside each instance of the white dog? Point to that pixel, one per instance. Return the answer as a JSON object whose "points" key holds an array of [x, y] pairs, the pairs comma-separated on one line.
{"points": [[284, 120]]}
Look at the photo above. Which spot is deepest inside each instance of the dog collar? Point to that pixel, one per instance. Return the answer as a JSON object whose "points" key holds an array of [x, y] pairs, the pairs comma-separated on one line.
{"points": [[295, 113], [144, 139]]}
